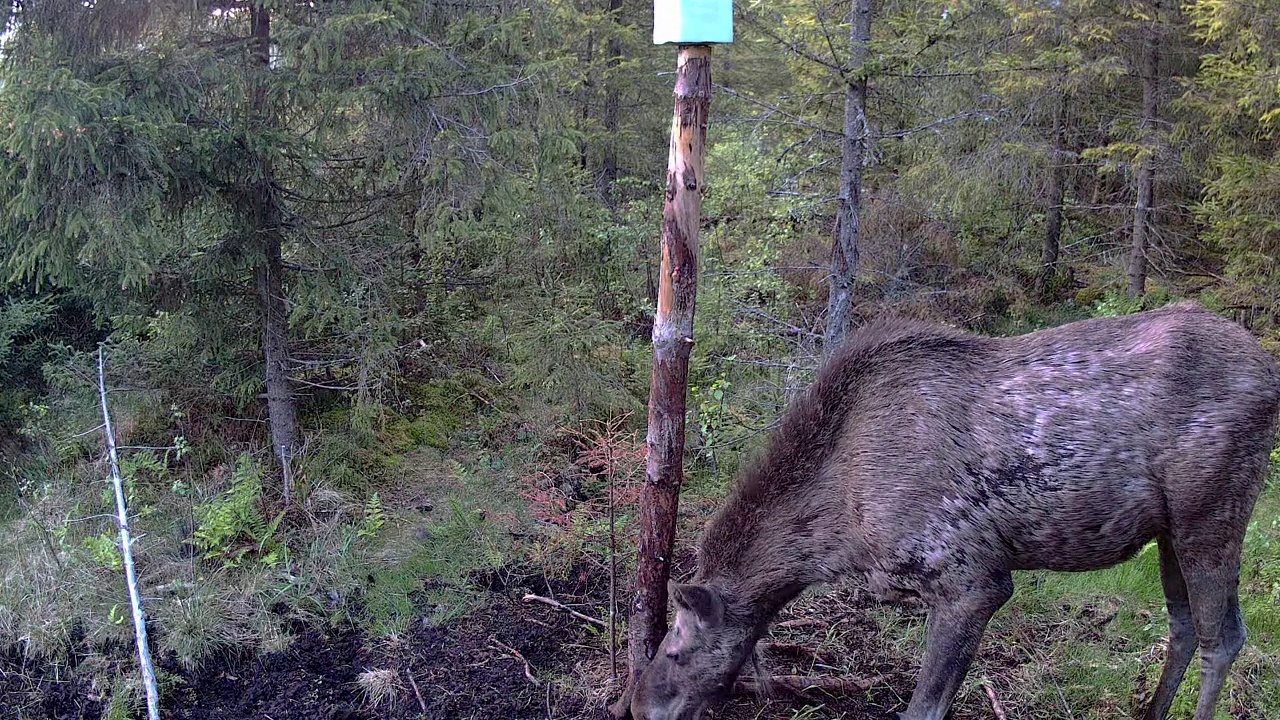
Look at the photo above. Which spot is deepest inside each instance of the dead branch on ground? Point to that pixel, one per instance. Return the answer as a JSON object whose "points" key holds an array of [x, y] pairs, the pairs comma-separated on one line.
{"points": [[548, 601], [802, 685], [995, 702], [528, 671], [416, 692], [796, 649], [802, 622]]}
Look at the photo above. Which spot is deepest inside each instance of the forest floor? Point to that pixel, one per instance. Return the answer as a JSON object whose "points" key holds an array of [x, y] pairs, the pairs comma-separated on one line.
{"points": [[436, 625], [513, 658]]}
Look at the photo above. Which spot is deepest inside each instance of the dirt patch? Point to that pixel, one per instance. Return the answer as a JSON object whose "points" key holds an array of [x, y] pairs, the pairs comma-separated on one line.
{"points": [[472, 668], [509, 659], [44, 690], [314, 678]]}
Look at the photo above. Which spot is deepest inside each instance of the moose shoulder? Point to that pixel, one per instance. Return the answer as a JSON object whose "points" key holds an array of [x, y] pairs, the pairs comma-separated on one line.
{"points": [[935, 462]]}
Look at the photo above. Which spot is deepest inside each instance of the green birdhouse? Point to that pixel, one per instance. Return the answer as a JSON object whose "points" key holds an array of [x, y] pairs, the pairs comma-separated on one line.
{"points": [[692, 22]]}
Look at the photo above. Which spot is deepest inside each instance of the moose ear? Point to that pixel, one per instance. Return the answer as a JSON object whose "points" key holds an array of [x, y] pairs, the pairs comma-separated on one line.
{"points": [[701, 600]]}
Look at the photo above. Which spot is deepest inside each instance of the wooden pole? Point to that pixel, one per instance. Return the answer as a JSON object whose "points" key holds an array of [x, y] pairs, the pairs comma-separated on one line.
{"points": [[126, 554], [672, 345]]}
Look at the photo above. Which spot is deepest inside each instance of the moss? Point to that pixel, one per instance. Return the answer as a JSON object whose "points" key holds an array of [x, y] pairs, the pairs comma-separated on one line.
{"points": [[442, 408], [434, 429], [1088, 296], [333, 420]]}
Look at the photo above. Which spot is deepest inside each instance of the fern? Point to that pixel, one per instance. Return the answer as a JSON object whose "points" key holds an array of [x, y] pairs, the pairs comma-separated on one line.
{"points": [[233, 525], [374, 517]]}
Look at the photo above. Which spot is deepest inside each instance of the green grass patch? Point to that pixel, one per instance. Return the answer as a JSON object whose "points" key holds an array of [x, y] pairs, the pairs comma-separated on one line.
{"points": [[426, 566], [431, 581]]}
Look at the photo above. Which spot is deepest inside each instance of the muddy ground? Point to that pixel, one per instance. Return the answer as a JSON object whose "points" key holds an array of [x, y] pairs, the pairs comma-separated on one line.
{"points": [[511, 659]]}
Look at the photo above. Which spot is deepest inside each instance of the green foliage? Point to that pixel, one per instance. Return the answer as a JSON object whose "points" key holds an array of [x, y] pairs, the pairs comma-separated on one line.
{"points": [[1114, 304], [126, 701], [468, 199], [105, 550], [202, 620], [463, 543], [21, 354], [375, 517], [233, 526]]}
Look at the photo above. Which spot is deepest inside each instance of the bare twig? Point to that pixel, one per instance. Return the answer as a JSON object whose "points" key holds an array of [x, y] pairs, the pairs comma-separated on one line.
{"points": [[613, 576], [90, 431], [571, 611], [795, 649], [744, 308], [45, 533], [801, 685], [996, 707], [528, 672], [416, 692], [802, 622], [126, 554], [986, 114]]}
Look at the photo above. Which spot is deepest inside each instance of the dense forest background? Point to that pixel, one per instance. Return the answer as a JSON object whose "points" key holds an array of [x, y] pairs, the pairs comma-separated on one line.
{"points": [[375, 282]]}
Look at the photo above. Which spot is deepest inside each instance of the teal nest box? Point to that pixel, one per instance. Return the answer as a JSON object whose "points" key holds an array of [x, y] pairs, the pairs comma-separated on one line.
{"points": [[692, 22]]}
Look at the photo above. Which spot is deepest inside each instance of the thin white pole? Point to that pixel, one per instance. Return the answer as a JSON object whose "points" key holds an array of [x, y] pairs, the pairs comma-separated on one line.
{"points": [[126, 553]]}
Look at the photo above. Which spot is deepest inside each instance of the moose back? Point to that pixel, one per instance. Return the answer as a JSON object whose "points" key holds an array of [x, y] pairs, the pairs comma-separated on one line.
{"points": [[935, 463]]}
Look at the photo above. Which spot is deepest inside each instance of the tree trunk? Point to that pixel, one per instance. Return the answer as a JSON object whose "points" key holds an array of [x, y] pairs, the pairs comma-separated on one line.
{"points": [[672, 344], [586, 94], [1054, 196], [1143, 209], [612, 106], [275, 349], [844, 247], [269, 275]]}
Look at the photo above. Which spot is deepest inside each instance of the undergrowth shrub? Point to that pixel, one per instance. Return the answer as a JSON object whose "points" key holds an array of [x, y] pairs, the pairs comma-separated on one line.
{"points": [[234, 524], [589, 505]]}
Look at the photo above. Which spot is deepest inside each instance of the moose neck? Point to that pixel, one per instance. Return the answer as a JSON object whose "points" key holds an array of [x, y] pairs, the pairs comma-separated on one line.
{"points": [[786, 523], [764, 549]]}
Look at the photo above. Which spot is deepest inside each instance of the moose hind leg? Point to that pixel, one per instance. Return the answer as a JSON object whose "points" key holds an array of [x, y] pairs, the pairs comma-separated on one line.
{"points": [[1182, 632], [954, 630], [1212, 576]]}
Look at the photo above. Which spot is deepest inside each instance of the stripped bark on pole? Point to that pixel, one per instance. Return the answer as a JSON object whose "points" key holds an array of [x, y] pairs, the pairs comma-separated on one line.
{"points": [[672, 345], [126, 554]]}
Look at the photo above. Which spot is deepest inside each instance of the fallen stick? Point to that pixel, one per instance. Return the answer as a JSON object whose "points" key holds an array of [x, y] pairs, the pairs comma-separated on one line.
{"points": [[795, 649], [802, 622], [416, 692], [528, 672], [801, 685], [995, 702], [571, 611]]}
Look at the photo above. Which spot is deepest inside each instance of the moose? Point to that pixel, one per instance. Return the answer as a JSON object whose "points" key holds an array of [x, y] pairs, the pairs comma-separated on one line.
{"points": [[933, 463]]}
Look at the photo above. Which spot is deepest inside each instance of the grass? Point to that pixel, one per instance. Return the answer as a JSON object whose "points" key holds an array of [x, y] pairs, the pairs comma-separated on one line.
{"points": [[379, 687], [425, 562], [445, 516]]}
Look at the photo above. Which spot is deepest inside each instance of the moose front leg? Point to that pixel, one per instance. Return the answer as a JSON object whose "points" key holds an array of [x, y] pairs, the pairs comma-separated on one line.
{"points": [[954, 629]]}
